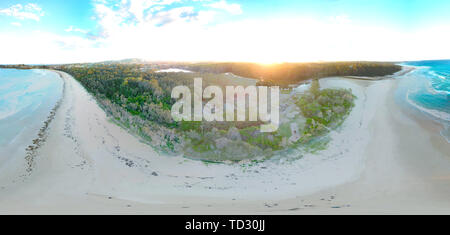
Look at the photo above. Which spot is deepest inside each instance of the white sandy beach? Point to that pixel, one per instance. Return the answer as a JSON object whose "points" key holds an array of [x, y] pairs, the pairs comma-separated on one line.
{"points": [[382, 160]]}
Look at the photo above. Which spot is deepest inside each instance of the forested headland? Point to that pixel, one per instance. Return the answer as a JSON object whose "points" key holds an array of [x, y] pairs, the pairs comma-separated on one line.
{"points": [[293, 73]]}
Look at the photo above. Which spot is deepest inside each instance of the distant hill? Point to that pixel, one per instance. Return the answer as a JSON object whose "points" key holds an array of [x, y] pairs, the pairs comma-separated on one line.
{"points": [[124, 61]]}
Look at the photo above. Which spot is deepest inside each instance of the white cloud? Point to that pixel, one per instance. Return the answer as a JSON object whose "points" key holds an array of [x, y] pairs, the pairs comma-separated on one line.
{"points": [[232, 8], [29, 11], [144, 15], [47, 48], [17, 24], [72, 29], [172, 16]]}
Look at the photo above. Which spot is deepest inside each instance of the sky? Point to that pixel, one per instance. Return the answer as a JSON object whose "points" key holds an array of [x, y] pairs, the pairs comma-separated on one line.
{"points": [[264, 31]]}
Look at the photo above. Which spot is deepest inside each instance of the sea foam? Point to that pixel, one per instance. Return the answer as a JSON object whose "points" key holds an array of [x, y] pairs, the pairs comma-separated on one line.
{"points": [[428, 91]]}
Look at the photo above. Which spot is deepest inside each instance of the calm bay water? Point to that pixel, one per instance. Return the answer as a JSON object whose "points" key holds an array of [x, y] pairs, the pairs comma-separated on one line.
{"points": [[26, 99]]}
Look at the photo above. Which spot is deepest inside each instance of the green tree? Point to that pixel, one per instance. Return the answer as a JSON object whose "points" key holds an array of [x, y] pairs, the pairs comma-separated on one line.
{"points": [[315, 87]]}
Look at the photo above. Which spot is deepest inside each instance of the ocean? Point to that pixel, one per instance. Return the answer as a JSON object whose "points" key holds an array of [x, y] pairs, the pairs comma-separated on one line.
{"points": [[26, 99], [427, 90]]}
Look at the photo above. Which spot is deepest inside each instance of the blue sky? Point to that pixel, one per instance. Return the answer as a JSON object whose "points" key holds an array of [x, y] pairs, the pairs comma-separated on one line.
{"points": [[82, 30]]}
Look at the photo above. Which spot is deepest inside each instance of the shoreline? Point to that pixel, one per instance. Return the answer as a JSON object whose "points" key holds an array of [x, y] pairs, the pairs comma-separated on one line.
{"points": [[32, 150], [90, 165], [25, 145], [437, 116]]}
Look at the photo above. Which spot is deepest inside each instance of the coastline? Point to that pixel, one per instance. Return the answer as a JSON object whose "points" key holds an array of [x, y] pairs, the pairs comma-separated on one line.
{"points": [[90, 165], [18, 157], [32, 150], [406, 168], [439, 117]]}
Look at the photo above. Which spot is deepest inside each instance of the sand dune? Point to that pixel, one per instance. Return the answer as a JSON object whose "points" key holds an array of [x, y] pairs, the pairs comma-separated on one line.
{"points": [[380, 161]]}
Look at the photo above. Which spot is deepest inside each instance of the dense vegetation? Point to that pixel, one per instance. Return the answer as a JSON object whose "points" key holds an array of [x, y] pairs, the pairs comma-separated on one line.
{"points": [[324, 109], [144, 94], [318, 112]]}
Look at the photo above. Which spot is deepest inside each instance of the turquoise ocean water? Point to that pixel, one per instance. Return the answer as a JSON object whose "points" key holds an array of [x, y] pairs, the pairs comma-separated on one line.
{"points": [[427, 90], [26, 99]]}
